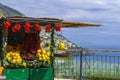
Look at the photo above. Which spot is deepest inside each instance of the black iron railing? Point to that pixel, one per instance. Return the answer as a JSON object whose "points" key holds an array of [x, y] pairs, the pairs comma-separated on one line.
{"points": [[94, 67]]}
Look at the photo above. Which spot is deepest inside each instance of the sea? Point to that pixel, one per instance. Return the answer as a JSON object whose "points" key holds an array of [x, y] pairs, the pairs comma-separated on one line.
{"points": [[96, 38]]}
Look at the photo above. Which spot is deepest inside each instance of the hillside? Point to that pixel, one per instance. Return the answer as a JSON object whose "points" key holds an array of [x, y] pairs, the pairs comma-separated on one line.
{"points": [[7, 11]]}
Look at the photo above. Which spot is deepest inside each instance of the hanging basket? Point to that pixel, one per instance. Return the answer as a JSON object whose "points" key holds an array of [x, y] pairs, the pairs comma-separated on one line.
{"points": [[62, 55]]}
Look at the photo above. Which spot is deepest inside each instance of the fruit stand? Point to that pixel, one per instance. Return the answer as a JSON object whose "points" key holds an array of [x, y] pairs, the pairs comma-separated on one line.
{"points": [[25, 54]]}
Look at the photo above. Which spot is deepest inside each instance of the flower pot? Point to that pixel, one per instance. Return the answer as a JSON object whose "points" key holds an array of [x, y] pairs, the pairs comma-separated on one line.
{"points": [[16, 74], [41, 74]]}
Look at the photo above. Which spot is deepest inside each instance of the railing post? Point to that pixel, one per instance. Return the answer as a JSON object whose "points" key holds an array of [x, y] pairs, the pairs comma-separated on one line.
{"points": [[81, 54]]}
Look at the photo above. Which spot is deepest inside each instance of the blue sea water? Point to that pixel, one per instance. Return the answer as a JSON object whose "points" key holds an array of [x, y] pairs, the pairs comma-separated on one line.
{"points": [[108, 53]]}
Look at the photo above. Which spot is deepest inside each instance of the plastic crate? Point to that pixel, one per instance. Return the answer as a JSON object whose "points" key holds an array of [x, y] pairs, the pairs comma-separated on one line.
{"points": [[16, 74], [41, 74]]}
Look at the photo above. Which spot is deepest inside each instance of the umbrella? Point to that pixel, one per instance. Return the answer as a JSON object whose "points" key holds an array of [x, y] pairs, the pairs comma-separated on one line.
{"points": [[77, 24], [45, 21]]}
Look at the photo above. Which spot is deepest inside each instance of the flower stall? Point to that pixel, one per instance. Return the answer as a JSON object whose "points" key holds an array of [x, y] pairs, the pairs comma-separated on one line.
{"points": [[25, 53]]}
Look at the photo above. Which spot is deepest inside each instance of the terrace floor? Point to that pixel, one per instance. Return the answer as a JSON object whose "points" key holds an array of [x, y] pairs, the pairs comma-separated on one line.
{"points": [[63, 79]]}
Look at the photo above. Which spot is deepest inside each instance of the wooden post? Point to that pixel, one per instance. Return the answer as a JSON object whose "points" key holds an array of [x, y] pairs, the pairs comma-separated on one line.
{"points": [[3, 40], [52, 47]]}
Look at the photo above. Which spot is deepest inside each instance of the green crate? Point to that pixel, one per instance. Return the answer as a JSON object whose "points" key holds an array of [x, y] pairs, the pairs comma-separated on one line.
{"points": [[16, 74], [41, 74]]}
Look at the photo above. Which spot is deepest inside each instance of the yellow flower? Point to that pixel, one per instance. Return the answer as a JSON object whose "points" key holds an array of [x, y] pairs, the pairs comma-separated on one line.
{"points": [[40, 59], [48, 54], [13, 61], [17, 55], [43, 52], [38, 51], [9, 59], [13, 57]]}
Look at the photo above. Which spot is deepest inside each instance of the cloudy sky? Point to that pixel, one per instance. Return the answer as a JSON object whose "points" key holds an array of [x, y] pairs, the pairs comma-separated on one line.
{"points": [[105, 12]]}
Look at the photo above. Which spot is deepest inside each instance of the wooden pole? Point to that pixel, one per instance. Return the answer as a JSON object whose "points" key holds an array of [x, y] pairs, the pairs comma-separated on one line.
{"points": [[3, 40], [52, 47]]}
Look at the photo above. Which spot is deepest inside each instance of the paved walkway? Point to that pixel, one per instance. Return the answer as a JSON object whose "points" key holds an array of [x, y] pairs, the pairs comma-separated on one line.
{"points": [[63, 79], [2, 77]]}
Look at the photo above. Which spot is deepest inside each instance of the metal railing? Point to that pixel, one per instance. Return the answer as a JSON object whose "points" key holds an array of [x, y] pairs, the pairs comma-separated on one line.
{"points": [[94, 67]]}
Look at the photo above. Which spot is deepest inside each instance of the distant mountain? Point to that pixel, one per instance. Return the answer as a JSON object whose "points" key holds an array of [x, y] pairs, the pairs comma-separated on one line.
{"points": [[7, 11]]}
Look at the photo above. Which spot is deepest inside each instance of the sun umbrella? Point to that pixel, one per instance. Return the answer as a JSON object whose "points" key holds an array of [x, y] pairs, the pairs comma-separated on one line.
{"points": [[45, 21], [77, 24]]}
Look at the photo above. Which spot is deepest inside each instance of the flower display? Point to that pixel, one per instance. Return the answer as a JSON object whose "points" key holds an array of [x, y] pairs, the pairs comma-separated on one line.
{"points": [[48, 28], [16, 27], [61, 46], [27, 27], [22, 43], [13, 57], [37, 27], [44, 56], [58, 27], [7, 24]]}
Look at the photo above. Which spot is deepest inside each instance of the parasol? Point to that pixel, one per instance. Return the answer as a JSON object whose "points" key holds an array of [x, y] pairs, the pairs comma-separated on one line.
{"points": [[45, 21], [77, 24]]}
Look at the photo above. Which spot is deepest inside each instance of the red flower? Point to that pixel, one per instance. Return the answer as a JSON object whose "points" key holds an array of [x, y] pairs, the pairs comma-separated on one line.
{"points": [[7, 24], [48, 28], [58, 27], [37, 27], [27, 30], [13, 29], [27, 27], [16, 27]]}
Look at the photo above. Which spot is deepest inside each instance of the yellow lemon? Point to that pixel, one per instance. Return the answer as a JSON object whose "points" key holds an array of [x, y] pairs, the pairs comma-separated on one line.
{"points": [[38, 51], [43, 51], [40, 59], [13, 61], [48, 54]]}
